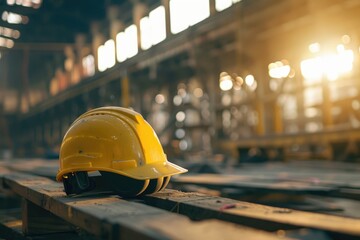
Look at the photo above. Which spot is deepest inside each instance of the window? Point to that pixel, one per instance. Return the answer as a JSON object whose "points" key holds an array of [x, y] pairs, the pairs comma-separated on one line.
{"points": [[106, 55], [14, 18], [146, 33], [224, 4], [198, 11], [88, 64], [6, 42], [110, 53], [101, 58], [330, 66], [158, 24], [153, 28], [126, 43], [121, 47], [185, 13]]}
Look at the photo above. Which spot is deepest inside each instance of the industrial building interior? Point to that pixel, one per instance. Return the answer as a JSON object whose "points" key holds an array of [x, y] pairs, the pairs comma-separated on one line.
{"points": [[258, 99]]}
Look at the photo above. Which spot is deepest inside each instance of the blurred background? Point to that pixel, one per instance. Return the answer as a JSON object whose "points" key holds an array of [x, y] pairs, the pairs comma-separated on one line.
{"points": [[259, 99], [220, 81]]}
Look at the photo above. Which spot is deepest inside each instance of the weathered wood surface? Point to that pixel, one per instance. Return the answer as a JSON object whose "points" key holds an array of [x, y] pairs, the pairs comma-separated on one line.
{"points": [[200, 206], [221, 181], [312, 177], [111, 217], [103, 215], [321, 173]]}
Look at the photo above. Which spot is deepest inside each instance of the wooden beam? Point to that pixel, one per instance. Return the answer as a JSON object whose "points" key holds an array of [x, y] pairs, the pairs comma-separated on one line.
{"points": [[111, 217], [219, 181], [200, 206], [88, 209]]}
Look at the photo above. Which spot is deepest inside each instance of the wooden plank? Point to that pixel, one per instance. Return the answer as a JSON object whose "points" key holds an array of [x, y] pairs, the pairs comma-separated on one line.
{"points": [[200, 206], [328, 174], [342, 177], [267, 223], [111, 217], [221, 181], [340, 180], [262, 186], [315, 177]]}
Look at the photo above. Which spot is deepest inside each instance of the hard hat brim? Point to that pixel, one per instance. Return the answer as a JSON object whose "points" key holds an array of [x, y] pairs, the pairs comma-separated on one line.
{"points": [[152, 170], [148, 171]]}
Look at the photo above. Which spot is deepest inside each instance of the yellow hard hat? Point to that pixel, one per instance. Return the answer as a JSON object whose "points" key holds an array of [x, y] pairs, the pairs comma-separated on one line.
{"points": [[122, 146]]}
